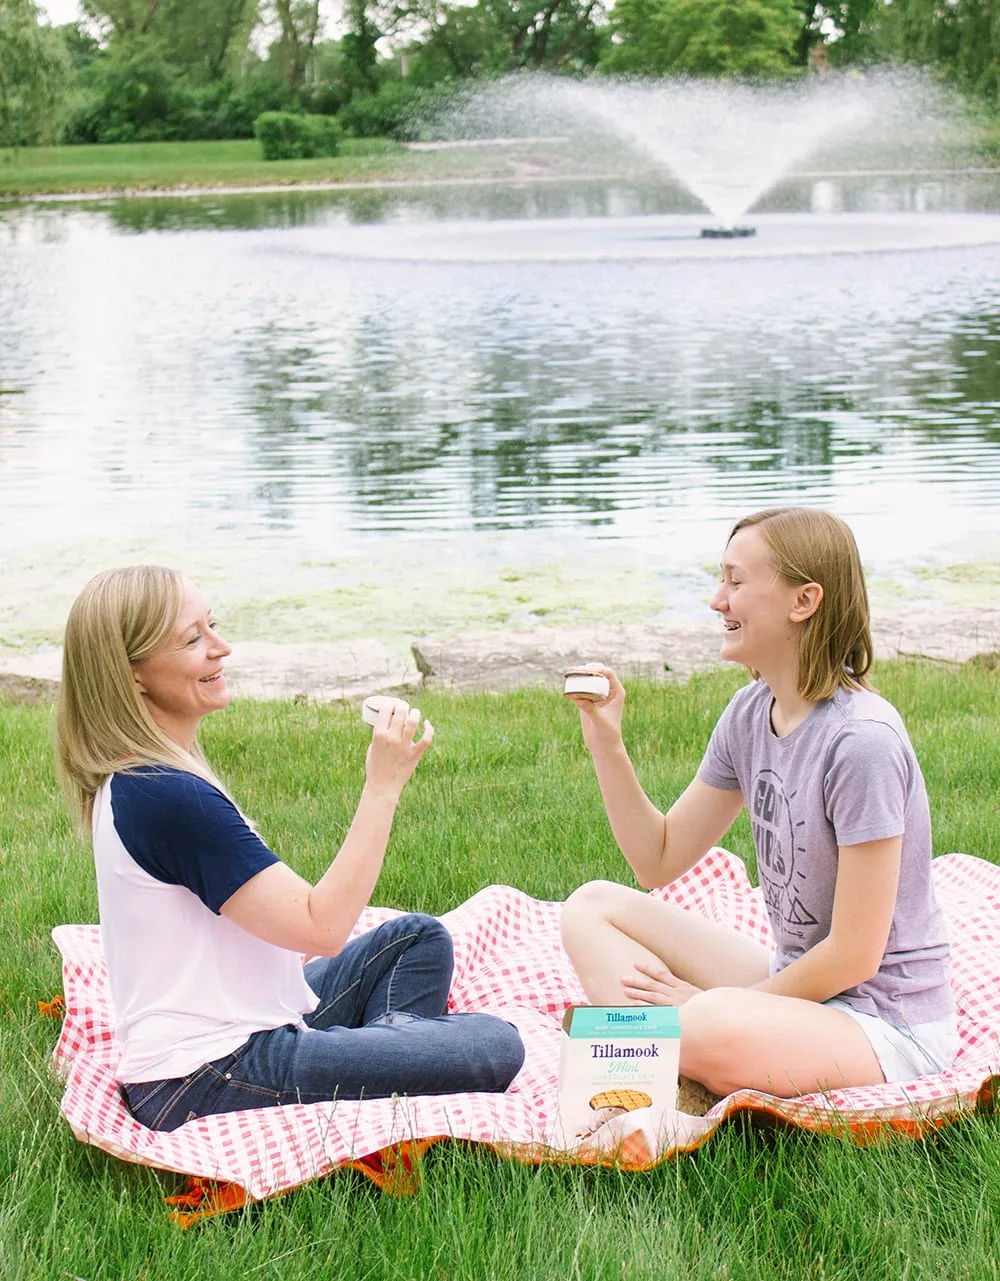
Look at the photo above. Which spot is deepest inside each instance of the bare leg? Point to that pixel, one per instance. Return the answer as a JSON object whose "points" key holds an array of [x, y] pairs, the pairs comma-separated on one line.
{"points": [[607, 928], [733, 1039]]}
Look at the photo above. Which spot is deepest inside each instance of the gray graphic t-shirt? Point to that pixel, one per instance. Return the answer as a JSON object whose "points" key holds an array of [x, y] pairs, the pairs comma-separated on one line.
{"points": [[847, 774]]}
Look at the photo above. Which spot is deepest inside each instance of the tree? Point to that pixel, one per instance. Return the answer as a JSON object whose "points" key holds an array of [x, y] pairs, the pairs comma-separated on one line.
{"points": [[358, 47], [959, 38], [33, 70], [122, 19], [464, 42], [550, 34], [754, 38], [212, 36], [300, 23], [495, 36], [848, 28], [207, 37], [137, 96]]}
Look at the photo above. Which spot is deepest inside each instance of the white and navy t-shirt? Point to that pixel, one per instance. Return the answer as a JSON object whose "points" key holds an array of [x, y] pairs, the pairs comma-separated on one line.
{"points": [[187, 985]]}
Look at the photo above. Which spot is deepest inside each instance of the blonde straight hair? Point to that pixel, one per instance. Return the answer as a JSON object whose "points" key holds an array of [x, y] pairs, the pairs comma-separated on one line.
{"points": [[102, 723], [835, 644]]}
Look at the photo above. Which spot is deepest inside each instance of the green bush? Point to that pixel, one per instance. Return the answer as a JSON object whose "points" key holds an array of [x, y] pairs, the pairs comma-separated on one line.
{"points": [[239, 103], [397, 110], [138, 95], [287, 135], [130, 95]]}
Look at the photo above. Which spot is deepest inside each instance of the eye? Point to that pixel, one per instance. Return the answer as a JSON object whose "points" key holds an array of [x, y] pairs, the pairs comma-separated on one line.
{"points": [[194, 639]]}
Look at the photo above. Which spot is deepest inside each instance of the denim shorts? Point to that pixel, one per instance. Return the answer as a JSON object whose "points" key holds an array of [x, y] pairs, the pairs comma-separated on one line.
{"points": [[905, 1053]]}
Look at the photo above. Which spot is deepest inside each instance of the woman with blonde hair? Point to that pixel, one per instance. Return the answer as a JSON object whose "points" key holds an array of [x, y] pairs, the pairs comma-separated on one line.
{"points": [[856, 988], [204, 927]]}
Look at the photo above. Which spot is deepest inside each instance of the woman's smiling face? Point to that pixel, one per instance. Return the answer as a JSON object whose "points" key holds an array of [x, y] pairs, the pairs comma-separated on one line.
{"points": [[183, 681], [756, 605]]}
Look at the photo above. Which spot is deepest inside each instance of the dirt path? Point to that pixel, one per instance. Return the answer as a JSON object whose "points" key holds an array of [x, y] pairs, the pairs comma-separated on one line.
{"points": [[499, 660]]}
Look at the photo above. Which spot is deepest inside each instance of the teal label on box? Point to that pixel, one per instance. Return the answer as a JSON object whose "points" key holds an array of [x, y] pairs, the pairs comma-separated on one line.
{"points": [[614, 1021]]}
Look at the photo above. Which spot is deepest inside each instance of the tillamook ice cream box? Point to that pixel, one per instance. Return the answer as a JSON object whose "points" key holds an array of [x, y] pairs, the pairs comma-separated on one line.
{"points": [[616, 1059]]}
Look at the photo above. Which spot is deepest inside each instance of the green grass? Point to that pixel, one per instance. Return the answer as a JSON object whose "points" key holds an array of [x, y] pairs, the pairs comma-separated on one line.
{"points": [[991, 143], [156, 166], [506, 794]]}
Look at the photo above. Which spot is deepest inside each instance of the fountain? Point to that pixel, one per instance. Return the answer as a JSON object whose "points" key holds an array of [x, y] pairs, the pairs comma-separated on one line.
{"points": [[727, 143], [515, 399], [727, 233]]}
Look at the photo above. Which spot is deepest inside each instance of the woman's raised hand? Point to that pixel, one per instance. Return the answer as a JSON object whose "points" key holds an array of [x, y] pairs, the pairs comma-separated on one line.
{"points": [[395, 749], [601, 719]]}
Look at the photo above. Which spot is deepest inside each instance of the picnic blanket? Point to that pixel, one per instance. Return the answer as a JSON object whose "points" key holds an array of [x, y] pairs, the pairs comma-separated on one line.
{"points": [[509, 961]]}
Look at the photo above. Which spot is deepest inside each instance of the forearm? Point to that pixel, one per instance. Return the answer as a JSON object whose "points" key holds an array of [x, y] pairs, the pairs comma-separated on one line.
{"points": [[343, 891], [637, 825], [824, 971]]}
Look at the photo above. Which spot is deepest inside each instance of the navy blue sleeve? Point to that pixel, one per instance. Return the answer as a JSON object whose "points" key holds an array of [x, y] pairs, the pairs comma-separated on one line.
{"points": [[183, 831]]}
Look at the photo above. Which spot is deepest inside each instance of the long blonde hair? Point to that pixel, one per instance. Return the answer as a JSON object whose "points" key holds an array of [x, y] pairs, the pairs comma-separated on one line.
{"points": [[102, 723], [811, 546]]}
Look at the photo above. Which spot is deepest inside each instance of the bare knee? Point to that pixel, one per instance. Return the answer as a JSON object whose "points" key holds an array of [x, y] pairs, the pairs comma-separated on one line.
{"points": [[710, 1041], [584, 908]]}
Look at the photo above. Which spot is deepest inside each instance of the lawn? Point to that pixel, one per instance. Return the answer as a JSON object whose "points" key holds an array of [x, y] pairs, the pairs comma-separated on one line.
{"points": [[508, 792], [157, 165], [160, 166]]}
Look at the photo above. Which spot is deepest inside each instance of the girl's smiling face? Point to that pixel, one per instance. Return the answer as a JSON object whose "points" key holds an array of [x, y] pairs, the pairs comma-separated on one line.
{"points": [[757, 605], [183, 681]]}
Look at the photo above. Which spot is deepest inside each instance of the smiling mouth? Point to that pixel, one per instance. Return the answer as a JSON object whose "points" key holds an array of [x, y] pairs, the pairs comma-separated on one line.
{"points": [[731, 627], [207, 680]]}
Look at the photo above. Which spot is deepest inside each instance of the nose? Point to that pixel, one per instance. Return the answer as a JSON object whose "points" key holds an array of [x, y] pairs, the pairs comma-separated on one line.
{"points": [[219, 646], [719, 600]]}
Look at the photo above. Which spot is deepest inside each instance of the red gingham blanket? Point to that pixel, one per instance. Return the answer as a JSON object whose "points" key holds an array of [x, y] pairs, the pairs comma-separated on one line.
{"points": [[508, 960]]}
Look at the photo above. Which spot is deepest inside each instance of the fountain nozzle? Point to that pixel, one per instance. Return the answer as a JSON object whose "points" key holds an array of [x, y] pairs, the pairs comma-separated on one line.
{"points": [[727, 233]]}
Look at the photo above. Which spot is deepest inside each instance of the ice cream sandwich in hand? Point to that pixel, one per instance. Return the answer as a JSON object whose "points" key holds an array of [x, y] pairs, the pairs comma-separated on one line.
{"points": [[374, 704], [584, 683]]}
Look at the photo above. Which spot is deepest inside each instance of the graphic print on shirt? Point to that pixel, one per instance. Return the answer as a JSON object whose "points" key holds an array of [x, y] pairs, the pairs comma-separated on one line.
{"points": [[774, 837]]}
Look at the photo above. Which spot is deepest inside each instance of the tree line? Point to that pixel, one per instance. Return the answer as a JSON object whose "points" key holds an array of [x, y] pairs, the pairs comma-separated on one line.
{"points": [[138, 70]]}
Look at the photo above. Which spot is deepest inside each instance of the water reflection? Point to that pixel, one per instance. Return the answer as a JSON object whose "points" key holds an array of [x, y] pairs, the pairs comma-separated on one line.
{"points": [[961, 191], [214, 363]]}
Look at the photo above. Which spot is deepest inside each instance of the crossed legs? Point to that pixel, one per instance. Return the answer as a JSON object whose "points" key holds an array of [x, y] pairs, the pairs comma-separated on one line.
{"points": [[732, 1035]]}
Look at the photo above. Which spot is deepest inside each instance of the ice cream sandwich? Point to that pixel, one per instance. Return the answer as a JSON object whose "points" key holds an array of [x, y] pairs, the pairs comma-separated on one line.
{"points": [[625, 1100], [590, 685], [374, 704], [607, 1104]]}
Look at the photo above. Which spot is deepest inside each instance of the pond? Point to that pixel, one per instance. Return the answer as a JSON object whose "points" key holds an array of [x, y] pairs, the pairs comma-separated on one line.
{"points": [[415, 409]]}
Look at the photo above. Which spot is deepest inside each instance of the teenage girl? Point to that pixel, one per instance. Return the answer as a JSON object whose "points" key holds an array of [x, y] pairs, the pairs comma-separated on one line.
{"points": [[855, 989]]}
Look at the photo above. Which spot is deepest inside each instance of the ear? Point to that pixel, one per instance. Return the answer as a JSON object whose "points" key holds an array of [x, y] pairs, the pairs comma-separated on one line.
{"points": [[138, 680], [808, 599]]}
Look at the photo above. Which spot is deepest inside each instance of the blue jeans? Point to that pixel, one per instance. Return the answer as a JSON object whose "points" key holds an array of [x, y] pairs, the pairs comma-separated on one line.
{"points": [[379, 1029]]}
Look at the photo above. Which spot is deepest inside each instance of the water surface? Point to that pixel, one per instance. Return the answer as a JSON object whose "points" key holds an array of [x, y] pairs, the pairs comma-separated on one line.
{"points": [[305, 393]]}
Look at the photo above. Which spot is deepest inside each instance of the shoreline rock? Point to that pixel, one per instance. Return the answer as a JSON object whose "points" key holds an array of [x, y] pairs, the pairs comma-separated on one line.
{"points": [[496, 661]]}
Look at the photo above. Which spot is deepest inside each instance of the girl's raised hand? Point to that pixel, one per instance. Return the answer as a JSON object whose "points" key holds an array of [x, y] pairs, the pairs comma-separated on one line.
{"points": [[601, 719], [395, 749]]}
